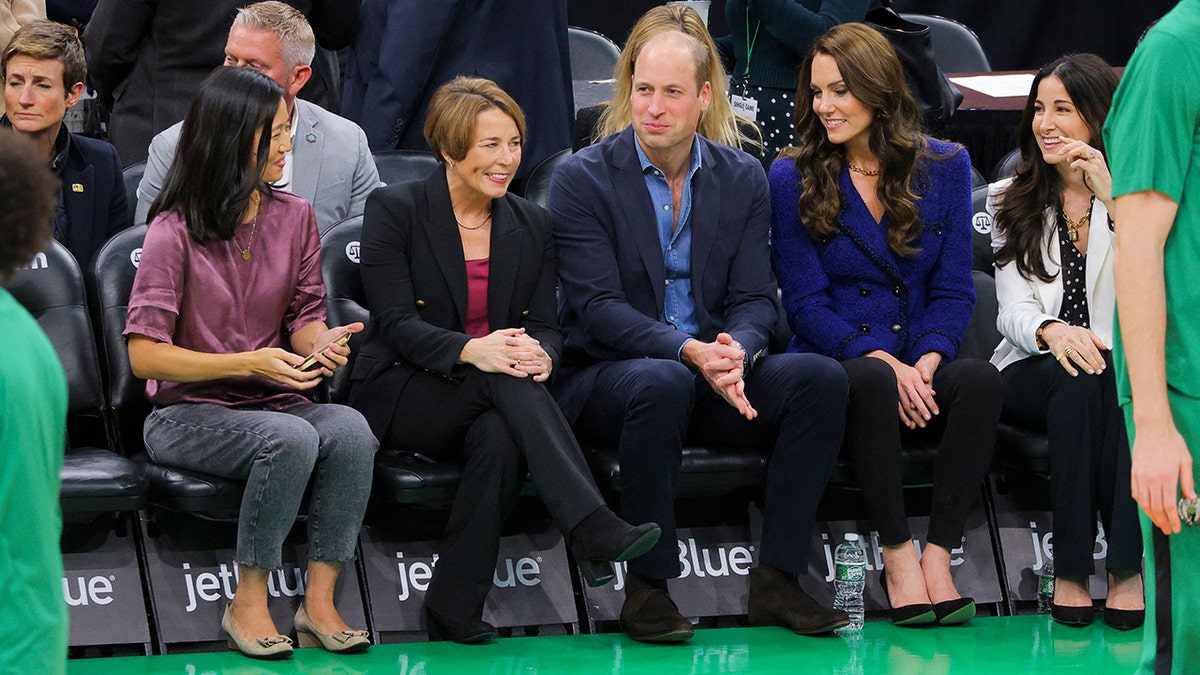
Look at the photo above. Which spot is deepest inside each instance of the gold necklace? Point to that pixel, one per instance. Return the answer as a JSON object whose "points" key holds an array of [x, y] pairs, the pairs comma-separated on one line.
{"points": [[1073, 226], [253, 228], [481, 223], [865, 172]]}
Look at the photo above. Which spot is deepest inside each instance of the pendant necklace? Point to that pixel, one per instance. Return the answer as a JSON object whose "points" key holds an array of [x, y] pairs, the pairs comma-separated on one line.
{"points": [[1073, 226], [253, 227]]}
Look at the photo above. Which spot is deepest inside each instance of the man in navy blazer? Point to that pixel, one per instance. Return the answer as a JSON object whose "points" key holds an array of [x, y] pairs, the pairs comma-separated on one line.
{"points": [[668, 302]]}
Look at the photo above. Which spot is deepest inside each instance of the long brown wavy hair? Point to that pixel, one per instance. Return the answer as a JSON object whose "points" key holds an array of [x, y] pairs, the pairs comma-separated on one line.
{"points": [[719, 123], [873, 74], [1020, 210]]}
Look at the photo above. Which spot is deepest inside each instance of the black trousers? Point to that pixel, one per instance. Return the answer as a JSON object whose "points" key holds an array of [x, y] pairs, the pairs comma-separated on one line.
{"points": [[496, 425], [650, 407], [1089, 459], [968, 396]]}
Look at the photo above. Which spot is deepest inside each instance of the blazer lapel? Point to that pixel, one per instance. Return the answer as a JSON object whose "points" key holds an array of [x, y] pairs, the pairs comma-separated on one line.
{"points": [[629, 186], [1050, 293], [504, 263], [445, 242], [863, 231], [80, 205], [1099, 247], [705, 223], [307, 149]]}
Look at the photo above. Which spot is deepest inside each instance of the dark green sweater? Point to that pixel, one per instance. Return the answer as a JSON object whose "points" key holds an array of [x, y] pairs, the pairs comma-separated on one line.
{"points": [[789, 28]]}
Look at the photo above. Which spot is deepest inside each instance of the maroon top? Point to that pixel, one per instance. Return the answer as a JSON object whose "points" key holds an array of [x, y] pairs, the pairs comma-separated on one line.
{"points": [[206, 298], [477, 307]]}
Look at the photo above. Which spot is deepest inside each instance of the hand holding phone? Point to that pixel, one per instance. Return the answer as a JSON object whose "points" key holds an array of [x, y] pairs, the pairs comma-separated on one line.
{"points": [[311, 360]]}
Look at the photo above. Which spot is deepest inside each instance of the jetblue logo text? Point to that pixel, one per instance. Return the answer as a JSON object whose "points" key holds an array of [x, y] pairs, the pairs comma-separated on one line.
{"points": [[219, 585], [415, 574]]}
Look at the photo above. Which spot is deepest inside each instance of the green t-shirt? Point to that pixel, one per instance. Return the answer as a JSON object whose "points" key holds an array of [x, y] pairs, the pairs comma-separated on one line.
{"points": [[1153, 140], [33, 413]]}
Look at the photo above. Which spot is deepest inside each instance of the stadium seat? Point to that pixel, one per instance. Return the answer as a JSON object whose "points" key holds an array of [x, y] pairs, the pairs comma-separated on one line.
{"points": [[192, 492], [593, 55], [94, 479], [956, 48], [399, 166], [132, 175], [537, 186], [1007, 166], [981, 233]]}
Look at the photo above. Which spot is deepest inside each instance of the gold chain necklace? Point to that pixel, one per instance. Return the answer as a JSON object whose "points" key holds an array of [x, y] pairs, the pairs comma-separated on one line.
{"points": [[253, 228], [481, 223], [1073, 226], [865, 172]]}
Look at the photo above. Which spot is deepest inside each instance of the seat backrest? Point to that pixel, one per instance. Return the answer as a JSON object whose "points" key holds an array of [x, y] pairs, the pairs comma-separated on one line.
{"points": [[111, 277], [537, 186], [51, 288], [399, 166], [956, 48], [982, 336], [132, 175], [1007, 166], [344, 291], [593, 55], [981, 232]]}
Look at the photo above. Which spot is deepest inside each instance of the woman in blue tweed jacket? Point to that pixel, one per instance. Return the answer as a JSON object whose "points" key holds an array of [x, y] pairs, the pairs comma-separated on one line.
{"points": [[871, 242]]}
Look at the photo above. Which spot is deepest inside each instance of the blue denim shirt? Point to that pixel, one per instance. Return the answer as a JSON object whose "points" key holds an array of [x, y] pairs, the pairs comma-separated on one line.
{"points": [[679, 305]]}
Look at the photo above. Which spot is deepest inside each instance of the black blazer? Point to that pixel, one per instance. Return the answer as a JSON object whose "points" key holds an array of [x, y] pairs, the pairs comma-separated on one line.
{"points": [[93, 195], [415, 279]]}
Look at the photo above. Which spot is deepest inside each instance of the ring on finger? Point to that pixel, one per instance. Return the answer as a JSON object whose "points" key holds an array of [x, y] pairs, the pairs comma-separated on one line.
{"points": [[1068, 352]]}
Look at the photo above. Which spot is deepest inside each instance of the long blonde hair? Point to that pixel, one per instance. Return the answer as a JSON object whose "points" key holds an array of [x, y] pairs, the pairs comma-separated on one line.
{"points": [[719, 123]]}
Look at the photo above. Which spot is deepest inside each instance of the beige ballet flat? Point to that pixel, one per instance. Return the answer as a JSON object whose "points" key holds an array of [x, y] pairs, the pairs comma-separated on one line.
{"points": [[341, 642], [273, 647]]}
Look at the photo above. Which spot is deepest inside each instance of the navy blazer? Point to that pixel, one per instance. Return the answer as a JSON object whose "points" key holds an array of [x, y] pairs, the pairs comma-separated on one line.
{"points": [[93, 194], [611, 265], [851, 294], [415, 279]]}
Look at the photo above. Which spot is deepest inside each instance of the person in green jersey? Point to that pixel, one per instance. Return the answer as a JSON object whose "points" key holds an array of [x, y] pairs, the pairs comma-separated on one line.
{"points": [[33, 415], [1153, 139]]}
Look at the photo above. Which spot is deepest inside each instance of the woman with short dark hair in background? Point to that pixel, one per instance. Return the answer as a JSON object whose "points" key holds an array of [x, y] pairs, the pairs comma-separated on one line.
{"points": [[1054, 278], [227, 301], [871, 239], [460, 280]]}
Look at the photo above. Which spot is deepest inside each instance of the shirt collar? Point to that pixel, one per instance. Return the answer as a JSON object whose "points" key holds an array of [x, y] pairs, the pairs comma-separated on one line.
{"points": [[62, 145], [647, 165]]}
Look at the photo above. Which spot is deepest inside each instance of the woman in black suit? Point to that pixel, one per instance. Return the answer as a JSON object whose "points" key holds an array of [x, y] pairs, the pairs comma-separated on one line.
{"points": [[460, 280]]}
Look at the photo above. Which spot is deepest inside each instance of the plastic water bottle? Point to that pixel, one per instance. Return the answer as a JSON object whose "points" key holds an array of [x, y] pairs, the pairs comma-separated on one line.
{"points": [[1046, 586], [849, 579]]}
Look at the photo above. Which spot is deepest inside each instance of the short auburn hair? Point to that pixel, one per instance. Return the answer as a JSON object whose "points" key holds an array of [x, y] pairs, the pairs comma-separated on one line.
{"points": [[47, 40], [454, 113]]}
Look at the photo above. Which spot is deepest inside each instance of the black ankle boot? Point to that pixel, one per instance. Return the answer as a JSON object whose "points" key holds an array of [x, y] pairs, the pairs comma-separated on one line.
{"points": [[603, 538]]}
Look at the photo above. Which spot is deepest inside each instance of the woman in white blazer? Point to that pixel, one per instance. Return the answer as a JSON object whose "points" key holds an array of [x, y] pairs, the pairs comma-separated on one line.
{"points": [[1054, 279]]}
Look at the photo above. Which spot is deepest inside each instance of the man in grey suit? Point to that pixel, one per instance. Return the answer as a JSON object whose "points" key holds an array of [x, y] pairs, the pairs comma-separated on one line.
{"points": [[330, 164]]}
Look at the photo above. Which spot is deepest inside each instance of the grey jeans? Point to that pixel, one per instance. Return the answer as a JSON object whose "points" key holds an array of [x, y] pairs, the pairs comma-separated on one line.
{"points": [[276, 452]]}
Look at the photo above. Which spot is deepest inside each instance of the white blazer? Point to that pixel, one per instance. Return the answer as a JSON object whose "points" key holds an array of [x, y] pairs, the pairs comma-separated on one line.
{"points": [[1026, 303]]}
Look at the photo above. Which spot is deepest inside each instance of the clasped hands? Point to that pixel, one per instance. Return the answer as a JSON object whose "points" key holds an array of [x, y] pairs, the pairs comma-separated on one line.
{"points": [[915, 386], [721, 364], [510, 351]]}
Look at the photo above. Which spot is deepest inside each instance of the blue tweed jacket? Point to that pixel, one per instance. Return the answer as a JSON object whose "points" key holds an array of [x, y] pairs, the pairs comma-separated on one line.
{"points": [[851, 294]]}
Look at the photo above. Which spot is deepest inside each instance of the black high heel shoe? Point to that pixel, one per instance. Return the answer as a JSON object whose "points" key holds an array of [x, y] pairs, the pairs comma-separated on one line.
{"points": [[441, 629], [602, 539], [954, 612], [1124, 619], [916, 614]]}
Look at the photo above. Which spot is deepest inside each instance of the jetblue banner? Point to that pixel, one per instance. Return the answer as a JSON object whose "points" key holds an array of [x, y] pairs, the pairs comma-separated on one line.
{"points": [[194, 577], [1027, 541], [531, 585], [103, 592]]}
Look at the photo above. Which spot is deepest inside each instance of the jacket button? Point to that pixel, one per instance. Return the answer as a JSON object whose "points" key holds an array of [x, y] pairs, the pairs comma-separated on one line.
{"points": [[897, 291], [525, 313], [864, 292], [864, 328], [420, 304], [896, 328]]}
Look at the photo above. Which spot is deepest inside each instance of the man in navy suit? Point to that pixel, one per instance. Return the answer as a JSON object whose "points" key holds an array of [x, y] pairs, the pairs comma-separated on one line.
{"points": [[668, 305]]}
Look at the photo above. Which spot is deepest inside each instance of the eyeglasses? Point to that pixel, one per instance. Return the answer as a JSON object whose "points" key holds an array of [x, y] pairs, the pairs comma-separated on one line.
{"points": [[1189, 511]]}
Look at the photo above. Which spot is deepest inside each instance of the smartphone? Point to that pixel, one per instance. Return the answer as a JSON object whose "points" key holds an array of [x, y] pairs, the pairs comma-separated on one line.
{"points": [[311, 359]]}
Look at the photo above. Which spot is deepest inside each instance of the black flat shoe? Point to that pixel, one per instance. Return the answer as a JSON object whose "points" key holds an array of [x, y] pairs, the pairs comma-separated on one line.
{"points": [[602, 538], [441, 629], [954, 612], [1072, 616], [776, 599], [1124, 619], [908, 616]]}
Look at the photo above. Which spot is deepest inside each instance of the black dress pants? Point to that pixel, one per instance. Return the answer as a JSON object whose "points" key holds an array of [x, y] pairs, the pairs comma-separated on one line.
{"points": [[490, 422], [650, 407], [1089, 459], [968, 396]]}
